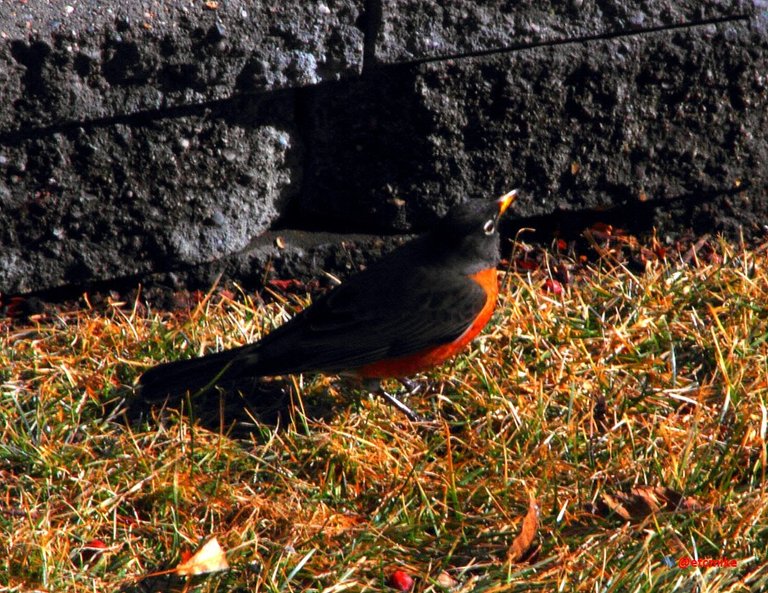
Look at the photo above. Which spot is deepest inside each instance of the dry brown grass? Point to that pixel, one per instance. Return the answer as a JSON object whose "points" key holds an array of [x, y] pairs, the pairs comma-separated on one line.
{"points": [[632, 407]]}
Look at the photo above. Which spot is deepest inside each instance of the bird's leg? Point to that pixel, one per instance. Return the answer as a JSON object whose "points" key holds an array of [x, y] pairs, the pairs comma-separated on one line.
{"points": [[391, 399], [375, 387], [411, 387]]}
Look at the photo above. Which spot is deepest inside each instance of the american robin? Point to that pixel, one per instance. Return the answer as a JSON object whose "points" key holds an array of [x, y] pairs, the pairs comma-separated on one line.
{"points": [[411, 310]]}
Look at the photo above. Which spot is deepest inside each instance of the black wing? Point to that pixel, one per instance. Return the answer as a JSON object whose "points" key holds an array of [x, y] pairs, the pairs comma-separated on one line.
{"points": [[393, 309], [369, 318]]}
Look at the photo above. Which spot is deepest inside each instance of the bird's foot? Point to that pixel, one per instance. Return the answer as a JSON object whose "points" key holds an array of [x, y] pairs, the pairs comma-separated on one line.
{"points": [[374, 386], [411, 387], [394, 401]]}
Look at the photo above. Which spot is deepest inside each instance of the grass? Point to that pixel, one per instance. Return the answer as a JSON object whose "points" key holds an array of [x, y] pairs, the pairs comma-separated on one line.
{"points": [[631, 406]]}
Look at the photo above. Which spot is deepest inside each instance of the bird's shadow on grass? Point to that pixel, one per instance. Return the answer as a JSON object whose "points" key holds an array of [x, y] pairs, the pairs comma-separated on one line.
{"points": [[240, 410], [245, 411]]}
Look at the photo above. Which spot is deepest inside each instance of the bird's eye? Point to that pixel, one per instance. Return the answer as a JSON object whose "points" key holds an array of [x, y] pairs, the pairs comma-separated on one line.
{"points": [[489, 227]]}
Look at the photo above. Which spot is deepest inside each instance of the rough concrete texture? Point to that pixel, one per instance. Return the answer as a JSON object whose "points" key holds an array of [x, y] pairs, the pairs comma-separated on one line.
{"points": [[86, 59], [120, 200], [164, 140], [417, 30], [594, 124]]}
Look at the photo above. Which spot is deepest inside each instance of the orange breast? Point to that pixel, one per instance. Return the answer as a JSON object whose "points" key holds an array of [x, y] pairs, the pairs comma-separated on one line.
{"points": [[426, 359]]}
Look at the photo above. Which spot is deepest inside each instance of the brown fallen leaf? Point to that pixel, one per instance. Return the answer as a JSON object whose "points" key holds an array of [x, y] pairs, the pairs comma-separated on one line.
{"points": [[209, 558], [608, 504], [522, 542], [446, 581], [672, 500], [642, 501]]}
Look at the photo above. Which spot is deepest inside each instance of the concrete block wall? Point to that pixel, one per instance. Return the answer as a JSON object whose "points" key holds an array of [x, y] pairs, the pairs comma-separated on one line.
{"points": [[178, 139]]}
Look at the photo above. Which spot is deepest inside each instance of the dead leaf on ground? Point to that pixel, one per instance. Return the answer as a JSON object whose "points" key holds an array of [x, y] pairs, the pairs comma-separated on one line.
{"points": [[671, 499], [642, 501], [209, 558], [523, 541], [446, 581]]}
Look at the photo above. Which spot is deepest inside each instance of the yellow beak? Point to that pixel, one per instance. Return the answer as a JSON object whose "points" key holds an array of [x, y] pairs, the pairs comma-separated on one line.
{"points": [[506, 200]]}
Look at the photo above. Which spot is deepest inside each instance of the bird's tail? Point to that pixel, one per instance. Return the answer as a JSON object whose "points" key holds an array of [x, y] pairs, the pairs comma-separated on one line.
{"points": [[195, 374]]}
